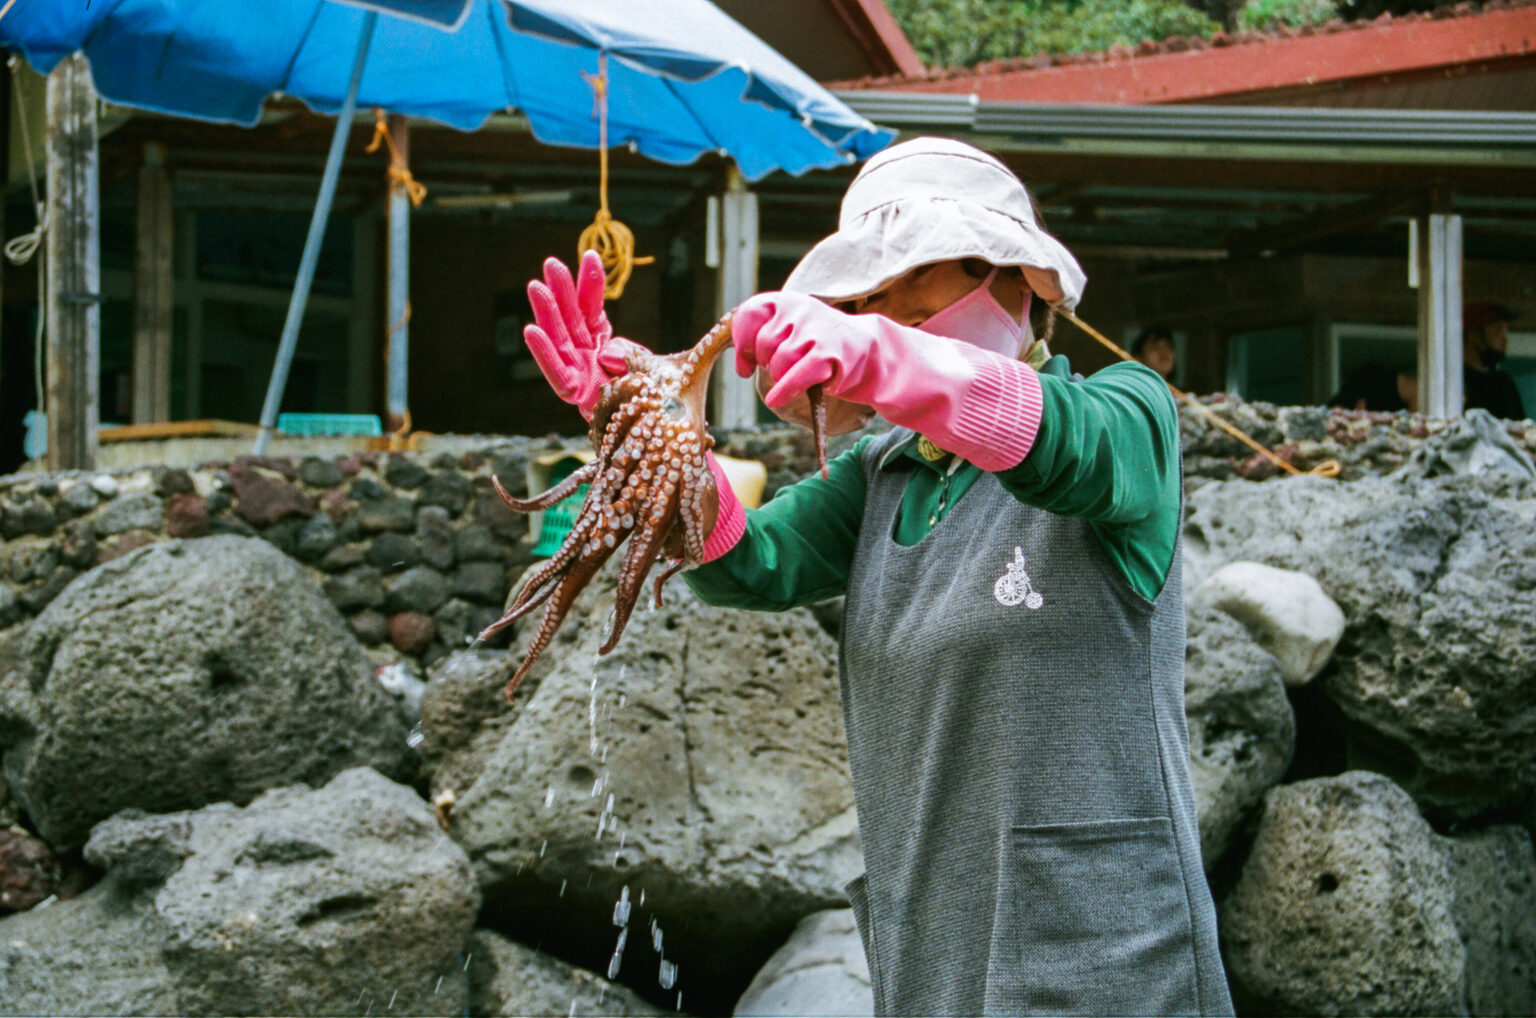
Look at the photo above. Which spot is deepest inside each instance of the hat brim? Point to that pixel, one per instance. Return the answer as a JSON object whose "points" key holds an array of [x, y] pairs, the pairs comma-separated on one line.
{"points": [[888, 242]]}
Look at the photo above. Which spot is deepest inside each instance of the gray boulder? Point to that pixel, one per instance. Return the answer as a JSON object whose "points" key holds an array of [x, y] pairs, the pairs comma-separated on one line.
{"points": [[336, 900], [185, 673], [1242, 731], [820, 970], [1286, 611], [98, 953], [701, 765], [1437, 581], [508, 978], [1494, 873], [1344, 906]]}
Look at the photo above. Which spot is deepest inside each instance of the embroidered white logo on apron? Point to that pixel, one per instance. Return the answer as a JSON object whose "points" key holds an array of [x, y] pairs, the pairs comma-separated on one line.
{"points": [[1013, 587]]}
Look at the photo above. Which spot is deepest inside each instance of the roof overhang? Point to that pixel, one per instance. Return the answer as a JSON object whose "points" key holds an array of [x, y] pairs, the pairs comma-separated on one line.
{"points": [[1370, 54], [1402, 137]]}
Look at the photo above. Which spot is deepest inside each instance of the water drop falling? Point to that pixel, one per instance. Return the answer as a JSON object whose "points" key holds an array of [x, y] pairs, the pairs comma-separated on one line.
{"points": [[621, 908], [562, 887], [655, 936], [549, 796], [415, 738], [542, 848], [668, 974]]}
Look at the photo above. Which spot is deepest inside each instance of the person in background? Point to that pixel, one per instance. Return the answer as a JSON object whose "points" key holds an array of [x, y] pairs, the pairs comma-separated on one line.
{"points": [[1379, 387], [1154, 348], [1012, 648], [1484, 342]]}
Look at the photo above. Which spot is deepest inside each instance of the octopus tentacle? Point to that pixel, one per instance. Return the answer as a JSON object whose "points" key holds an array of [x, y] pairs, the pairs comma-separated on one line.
{"points": [[673, 568], [517, 611], [545, 499], [643, 551], [565, 594]]}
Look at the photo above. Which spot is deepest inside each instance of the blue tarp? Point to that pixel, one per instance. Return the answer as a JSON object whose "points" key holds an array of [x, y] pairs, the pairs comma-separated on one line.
{"points": [[684, 78]]}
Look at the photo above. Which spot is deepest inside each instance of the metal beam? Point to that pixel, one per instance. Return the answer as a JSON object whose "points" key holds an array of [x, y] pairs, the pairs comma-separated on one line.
{"points": [[1439, 277], [311, 255], [1325, 222], [398, 296], [73, 264]]}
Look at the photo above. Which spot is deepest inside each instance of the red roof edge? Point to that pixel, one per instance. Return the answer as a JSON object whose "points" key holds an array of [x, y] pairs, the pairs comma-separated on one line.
{"points": [[875, 30], [1196, 70]]}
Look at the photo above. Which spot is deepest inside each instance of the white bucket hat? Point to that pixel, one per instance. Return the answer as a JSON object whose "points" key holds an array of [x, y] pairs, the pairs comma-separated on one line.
{"points": [[931, 200]]}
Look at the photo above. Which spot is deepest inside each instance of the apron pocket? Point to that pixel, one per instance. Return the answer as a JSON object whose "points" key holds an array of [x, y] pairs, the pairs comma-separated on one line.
{"points": [[1092, 919], [857, 891]]}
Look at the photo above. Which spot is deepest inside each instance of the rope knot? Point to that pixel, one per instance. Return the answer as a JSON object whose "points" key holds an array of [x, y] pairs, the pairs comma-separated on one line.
{"points": [[399, 172]]}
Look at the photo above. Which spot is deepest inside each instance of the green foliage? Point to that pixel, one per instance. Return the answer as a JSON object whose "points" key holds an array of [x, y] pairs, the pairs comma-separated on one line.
{"points": [[1265, 15], [966, 32]]}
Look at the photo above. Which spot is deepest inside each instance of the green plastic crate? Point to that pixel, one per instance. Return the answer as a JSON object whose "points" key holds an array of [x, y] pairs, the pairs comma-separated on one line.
{"points": [[314, 425], [560, 517]]}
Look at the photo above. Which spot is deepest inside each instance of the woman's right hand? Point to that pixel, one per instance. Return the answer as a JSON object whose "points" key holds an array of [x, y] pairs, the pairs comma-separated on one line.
{"points": [[572, 340]]}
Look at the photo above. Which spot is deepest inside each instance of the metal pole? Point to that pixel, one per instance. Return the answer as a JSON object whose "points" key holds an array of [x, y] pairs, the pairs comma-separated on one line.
{"points": [[398, 301], [306, 276], [1440, 355], [735, 398], [73, 260]]}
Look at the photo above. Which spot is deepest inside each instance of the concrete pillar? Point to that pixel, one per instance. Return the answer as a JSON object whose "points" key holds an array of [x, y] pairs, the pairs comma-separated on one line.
{"points": [[733, 399]]}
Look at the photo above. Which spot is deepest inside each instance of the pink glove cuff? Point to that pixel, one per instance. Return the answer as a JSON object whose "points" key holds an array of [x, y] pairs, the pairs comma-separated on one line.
{"points": [[997, 422], [730, 518]]}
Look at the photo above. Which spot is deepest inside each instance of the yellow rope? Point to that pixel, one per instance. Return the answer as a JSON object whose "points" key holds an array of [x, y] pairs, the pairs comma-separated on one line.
{"points": [[399, 172], [1327, 468], [612, 240]]}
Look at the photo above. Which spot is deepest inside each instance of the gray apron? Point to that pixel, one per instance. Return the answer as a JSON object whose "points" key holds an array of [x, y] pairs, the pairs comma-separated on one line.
{"points": [[1020, 756]]}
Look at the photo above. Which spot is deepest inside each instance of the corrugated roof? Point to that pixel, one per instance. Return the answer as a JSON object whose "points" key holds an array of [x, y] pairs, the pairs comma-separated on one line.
{"points": [[1501, 31]]}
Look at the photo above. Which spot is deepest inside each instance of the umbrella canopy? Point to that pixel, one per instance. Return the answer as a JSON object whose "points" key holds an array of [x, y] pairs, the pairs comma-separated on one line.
{"points": [[684, 78]]}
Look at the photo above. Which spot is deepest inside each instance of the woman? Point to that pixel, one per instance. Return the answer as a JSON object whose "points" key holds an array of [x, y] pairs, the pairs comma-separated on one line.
{"points": [[1013, 634]]}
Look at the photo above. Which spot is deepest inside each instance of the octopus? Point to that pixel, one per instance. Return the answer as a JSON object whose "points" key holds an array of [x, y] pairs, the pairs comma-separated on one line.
{"points": [[650, 484]]}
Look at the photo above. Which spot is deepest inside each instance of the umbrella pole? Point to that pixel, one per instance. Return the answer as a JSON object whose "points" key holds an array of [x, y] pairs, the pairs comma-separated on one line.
{"points": [[311, 255]]}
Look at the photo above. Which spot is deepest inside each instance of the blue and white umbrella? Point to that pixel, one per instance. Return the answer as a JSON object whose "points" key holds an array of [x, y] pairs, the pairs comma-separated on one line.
{"points": [[683, 77]]}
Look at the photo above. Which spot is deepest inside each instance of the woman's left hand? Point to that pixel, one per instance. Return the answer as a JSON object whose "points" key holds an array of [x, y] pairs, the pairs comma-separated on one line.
{"points": [[978, 404]]}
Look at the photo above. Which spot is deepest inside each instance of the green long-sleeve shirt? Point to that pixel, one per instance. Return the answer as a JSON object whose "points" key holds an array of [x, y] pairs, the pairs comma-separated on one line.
{"points": [[1107, 451]]}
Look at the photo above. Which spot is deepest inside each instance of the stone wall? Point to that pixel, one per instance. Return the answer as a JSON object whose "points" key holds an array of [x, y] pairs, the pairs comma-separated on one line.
{"points": [[418, 552]]}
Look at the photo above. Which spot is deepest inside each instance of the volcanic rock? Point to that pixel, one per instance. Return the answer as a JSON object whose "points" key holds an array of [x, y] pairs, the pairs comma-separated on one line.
{"points": [[181, 674]]}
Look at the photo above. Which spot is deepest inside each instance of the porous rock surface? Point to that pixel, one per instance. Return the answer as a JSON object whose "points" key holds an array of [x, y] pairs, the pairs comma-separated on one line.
{"points": [[508, 978], [1494, 872], [1437, 581], [1344, 906], [820, 970], [699, 770], [1242, 730], [185, 673], [1286, 611], [337, 900]]}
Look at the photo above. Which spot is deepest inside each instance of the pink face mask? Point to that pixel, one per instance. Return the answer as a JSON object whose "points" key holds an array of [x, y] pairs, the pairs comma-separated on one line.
{"points": [[978, 319]]}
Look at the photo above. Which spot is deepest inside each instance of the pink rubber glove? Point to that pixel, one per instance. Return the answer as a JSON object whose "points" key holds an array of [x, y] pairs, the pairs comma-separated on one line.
{"points": [[572, 340], [968, 401], [730, 518]]}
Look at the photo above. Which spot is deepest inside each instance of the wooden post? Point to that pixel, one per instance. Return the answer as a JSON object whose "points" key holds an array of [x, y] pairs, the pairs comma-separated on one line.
{"points": [[153, 291], [735, 398], [72, 258]]}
